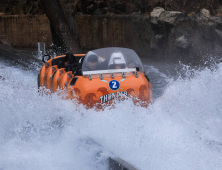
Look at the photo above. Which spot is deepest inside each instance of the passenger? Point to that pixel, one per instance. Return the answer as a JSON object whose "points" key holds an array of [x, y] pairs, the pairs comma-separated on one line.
{"points": [[73, 64], [91, 62], [117, 61], [72, 58], [68, 59], [131, 64]]}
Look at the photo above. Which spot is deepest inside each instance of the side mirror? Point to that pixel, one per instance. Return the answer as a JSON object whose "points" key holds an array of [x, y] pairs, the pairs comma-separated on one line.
{"points": [[45, 58]]}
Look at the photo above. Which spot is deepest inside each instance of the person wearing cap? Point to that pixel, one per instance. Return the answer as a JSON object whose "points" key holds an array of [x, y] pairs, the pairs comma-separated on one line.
{"points": [[117, 61], [91, 62]]}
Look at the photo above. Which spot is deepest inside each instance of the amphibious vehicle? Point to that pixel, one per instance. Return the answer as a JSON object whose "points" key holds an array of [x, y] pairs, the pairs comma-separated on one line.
{"points": [[100, 78]]}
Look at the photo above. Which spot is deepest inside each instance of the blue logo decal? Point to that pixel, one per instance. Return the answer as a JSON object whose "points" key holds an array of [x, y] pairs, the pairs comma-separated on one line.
{"points": [[114, 85]]}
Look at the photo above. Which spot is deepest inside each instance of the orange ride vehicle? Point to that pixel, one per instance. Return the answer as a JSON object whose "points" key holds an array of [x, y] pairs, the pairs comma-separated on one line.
{"points": [[101, 77]]}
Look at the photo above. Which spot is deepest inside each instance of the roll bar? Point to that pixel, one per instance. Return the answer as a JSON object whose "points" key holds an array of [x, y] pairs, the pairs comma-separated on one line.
{"points": [[111, 71]]}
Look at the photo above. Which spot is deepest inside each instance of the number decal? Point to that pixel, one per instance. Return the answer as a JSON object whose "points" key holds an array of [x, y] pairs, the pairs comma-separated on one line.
{"points": [[114, 85]]}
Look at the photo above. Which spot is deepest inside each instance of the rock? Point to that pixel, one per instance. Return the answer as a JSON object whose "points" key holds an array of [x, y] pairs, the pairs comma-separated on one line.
{"points": [[170, 17], [182, 42], [203, 17], [192, 14], [217, 20], [155, 14], [211, 23], [205, 13], [219, 13]]}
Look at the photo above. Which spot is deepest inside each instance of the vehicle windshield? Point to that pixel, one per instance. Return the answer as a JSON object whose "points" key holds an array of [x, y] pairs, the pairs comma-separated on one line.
{"points": [[110, 59]]}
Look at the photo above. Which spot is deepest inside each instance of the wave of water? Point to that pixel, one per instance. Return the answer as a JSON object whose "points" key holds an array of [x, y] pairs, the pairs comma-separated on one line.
{"points": [[180, 130]]}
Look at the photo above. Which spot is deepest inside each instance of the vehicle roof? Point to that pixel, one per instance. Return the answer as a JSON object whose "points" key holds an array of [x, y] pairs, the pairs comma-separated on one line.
{"points": [[131, 59]]}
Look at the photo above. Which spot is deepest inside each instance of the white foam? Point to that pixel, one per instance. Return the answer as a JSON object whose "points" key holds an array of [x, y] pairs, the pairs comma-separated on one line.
{"points": [[181, 130]]}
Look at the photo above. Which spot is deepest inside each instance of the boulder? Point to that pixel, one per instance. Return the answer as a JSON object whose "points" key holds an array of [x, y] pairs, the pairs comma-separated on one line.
{"points": [[154, 15], [182, 42], [205, 13], [191, 14], [203, 17], [170, 17], [217, 20]]}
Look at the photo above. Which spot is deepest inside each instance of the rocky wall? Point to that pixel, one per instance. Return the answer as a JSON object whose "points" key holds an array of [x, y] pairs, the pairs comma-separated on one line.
{"points": [[25, 30], [167, 35]]}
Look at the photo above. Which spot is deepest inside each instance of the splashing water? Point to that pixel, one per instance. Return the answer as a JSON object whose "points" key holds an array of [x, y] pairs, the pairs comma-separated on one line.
{"points": [[180, 130]]}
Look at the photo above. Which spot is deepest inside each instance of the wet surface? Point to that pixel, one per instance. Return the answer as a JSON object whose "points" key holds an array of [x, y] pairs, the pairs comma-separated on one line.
{"points": [[180, 130]]}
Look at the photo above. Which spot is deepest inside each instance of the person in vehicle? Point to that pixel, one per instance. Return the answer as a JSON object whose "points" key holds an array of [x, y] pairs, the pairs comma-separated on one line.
{"points": [[131, 64], [117, 61], [91, 62], [67, 61]]}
